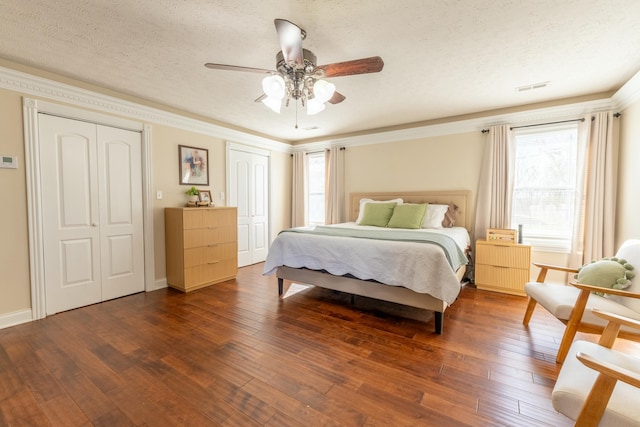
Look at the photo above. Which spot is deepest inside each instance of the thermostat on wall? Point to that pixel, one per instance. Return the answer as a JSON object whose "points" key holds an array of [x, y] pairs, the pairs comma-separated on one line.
{"points": [[9, 162]]}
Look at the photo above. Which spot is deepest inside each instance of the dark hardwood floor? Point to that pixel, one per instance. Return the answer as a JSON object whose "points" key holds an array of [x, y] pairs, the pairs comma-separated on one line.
{"points": [[233, 354]]}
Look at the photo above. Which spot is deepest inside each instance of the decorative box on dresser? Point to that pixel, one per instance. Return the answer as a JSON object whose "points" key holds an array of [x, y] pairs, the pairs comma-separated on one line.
{"points": [[502, 267], [201, 246]]}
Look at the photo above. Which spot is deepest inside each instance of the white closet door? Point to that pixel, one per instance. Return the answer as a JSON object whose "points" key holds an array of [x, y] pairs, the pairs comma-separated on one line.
{"points": [[121, 229], [260, 208], [68, 161], [248, 182], [91, 186]]}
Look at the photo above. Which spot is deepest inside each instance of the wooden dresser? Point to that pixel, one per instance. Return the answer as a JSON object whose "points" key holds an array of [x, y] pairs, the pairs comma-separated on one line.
{"points": [[201, 246], [502, 267]]}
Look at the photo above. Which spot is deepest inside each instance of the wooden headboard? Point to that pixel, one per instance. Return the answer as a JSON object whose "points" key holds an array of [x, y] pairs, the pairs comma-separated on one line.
{"points": [[460, 198]]}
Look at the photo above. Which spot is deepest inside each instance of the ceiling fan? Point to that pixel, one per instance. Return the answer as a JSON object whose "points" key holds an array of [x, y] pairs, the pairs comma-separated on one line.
{"points": [[298, 77]]}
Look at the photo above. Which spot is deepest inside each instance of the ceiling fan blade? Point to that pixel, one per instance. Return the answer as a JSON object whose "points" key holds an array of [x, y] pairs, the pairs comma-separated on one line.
{"points": [[237, 68], [290, 37], [336, 98], [373, 64]]}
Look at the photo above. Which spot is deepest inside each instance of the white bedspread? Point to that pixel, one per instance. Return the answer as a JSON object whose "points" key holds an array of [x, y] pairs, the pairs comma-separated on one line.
{"points": [[421, 267]]}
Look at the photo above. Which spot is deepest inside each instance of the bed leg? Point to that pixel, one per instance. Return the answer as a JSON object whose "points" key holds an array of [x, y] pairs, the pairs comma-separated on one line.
{"points": [[438, 318], [353, 299], [280, 286]]}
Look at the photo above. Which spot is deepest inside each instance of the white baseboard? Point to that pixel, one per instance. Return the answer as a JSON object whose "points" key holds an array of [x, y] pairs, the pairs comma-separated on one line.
{"points": [[159, 284], [24, 316], [15, 318]]}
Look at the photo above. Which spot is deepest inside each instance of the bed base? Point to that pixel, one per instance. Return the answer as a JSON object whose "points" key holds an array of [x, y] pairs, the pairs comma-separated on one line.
{"points": [[370, 289]]}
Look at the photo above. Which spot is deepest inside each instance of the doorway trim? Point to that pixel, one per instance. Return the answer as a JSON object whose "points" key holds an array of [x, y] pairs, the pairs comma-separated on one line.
{"points": [[35, 211]]}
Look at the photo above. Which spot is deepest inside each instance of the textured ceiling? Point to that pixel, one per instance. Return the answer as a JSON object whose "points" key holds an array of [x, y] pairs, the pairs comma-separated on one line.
{"points": [[442, 58]]}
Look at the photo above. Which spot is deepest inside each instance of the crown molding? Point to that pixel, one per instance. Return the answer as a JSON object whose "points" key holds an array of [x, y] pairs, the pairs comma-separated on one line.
{"points": [[629, 93], [541, 115], [60, 92], [64, 93]]}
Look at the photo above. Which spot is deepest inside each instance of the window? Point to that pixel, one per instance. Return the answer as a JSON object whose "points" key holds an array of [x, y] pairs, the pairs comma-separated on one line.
{"points": [[315, 187], [545, 185]]}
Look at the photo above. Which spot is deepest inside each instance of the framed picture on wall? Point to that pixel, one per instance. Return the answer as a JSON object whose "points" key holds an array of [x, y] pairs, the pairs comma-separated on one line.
{"points": [[193, 165]]}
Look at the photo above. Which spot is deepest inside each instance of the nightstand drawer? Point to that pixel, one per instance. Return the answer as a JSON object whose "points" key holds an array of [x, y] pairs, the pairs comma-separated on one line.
{"points": [[515, 256], [502, 279]]}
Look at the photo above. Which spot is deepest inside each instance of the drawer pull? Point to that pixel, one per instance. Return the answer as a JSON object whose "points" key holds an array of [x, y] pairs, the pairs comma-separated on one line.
{"points": [[213, 246], [214, 262]]}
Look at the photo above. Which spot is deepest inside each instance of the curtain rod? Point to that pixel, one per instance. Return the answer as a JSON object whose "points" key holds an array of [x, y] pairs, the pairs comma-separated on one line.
{"points": [[321, 151], [616, 115], [549, 123]]}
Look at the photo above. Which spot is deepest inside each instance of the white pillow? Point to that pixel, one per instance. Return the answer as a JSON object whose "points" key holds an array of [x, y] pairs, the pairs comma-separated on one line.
{"points": [[365, 201], [434, 216]]}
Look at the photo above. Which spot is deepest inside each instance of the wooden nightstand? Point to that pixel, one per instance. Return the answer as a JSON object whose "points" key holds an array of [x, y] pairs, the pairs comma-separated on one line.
{"points": [[502, 267]]}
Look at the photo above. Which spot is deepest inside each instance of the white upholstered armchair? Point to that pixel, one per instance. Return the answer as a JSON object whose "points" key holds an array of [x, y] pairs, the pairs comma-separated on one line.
{"points": [[598, 386], [572, 304]]}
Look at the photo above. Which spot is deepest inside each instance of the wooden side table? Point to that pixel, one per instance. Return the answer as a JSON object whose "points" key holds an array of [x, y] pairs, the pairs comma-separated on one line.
{"points": [[502, 267]]}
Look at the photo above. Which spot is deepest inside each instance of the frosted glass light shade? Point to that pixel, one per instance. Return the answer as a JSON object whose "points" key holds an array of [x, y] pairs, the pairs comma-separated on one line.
{"points": [[314, 106], [273, 103], [273, 86], [323, 90]]}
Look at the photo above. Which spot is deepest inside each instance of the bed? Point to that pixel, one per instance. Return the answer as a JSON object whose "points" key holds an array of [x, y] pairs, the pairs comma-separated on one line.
{"points": [[426, 276]]}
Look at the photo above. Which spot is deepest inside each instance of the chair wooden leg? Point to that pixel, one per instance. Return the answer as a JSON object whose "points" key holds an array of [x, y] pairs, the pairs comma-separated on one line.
{"points": [[527, 314], [596, 403], [572, 325]]}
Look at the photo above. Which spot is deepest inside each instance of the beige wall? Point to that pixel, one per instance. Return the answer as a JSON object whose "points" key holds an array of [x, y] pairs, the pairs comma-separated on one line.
{"points": [[164, 154], [628, 212], [280, 192], [15, 294], [449, 162]]}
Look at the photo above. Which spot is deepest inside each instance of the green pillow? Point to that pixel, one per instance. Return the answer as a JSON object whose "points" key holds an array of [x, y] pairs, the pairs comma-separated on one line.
{"points": [[612, 273], [407, 216], [377, 214]]}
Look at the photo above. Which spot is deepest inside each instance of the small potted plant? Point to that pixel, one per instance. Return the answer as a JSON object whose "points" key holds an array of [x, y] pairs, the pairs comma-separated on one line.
{"points": [[193, 194]]}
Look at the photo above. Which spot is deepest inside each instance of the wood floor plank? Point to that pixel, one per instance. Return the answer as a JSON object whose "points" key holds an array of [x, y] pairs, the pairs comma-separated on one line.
{"points": [[234, 354]]}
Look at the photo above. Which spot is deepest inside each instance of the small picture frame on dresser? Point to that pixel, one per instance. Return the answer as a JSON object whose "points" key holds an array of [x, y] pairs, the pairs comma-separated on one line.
{"points": [[204, 198]]}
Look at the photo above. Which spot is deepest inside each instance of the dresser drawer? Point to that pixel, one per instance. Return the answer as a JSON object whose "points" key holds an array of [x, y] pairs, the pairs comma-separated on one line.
{"points": [[211, 272], [209, 253], [203, 236]]}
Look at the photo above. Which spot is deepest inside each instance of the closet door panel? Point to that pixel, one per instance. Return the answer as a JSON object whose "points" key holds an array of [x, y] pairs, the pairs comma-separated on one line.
{"points": [[121, 212], [71, 236]]}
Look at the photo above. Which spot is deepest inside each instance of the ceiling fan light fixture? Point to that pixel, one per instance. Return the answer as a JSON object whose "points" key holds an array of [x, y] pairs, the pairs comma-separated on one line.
{"points": [[297, 76], [274, 86], [314, 106], [273, 103], [323, 90]]}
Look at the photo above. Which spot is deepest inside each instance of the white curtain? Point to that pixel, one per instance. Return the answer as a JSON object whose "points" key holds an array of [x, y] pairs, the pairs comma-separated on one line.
{"points": [[600, 212], [299, 190], [334, 186], [495, 187], [577, 242]]}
